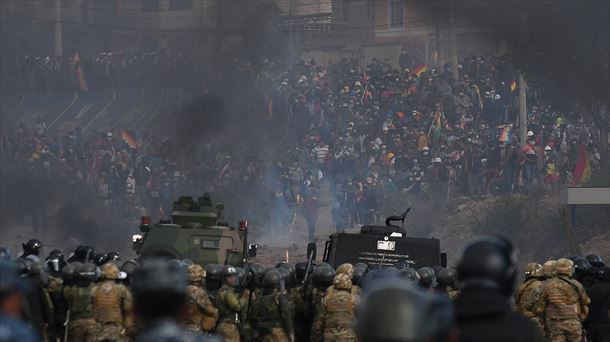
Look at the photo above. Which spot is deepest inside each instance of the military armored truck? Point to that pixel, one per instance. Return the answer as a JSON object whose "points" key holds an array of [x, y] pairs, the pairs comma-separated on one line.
{"points": [[384, 245], [195, 232]]}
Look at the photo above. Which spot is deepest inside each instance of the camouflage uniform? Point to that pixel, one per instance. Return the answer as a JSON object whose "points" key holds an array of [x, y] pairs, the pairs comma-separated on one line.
{"points": [[229, 306], [565, 303], [111, 306], [338, 312], [82, 325], [201, 311], [273, 316], [529, 293]]}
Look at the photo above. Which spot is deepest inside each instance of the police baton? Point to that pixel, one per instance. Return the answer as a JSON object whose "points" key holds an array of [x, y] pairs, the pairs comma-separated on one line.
{"points": [[311, 256]]}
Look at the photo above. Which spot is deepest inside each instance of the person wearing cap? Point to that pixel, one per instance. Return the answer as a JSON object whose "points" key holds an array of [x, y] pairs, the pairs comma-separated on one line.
{"points": [[229, 305], [12, 292]]}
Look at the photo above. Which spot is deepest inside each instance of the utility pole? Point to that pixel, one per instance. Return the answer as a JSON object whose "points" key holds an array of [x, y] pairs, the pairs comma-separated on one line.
{"points": [[522, 110], [58, 33], [453, 46]]}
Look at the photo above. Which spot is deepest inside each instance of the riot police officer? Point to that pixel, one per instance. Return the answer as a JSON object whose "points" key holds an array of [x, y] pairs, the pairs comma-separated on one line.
{"points": [[272, 312], [229, 306], [487, 271], [160, 298]]}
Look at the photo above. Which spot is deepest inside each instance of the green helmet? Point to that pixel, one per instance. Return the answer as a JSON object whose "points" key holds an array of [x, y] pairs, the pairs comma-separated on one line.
{"points": [[323, 277], [533, 270], [549, 269], [229, 271], [565, 267], [272, 278]]}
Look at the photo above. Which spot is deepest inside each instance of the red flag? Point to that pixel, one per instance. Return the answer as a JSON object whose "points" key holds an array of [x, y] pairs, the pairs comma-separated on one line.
{"points": [[582, 170]]}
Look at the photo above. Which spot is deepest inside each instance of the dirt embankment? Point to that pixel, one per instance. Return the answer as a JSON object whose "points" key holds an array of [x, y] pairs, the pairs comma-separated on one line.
{"points": [[533, 222]]}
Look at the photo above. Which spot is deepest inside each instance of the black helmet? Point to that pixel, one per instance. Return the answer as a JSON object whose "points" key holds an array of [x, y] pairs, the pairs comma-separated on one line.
{"points": [[489, 262], [323, 277], [259, 270], [213, 276], [410, 274], [272, 278], [55, 261], [581, 266], [427, 278], [595, 260], [5, 254], [447, 277], [84, 253], [129, 267], [213, 271], [437, 269], [159, 276], [357, 275], [395, 310], [300, 269], [291, 278], [33, 246], [113, 256], [99, 259]]}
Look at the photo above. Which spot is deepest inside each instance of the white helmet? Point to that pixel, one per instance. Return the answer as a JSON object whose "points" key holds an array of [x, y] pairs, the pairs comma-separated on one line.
{"points": [[530, 133], [437, 160]]}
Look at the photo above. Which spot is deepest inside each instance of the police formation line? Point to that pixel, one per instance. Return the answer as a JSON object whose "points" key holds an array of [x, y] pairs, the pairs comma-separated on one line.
{"points": [[93, 297]]}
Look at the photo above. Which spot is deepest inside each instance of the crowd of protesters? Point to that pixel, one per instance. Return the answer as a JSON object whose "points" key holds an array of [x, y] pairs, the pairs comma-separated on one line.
{"points": [[363, 131]]}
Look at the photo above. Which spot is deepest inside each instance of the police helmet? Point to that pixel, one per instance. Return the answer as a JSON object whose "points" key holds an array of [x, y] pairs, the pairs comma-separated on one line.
{"points": [[129, 267], [323, 277], [395, 310], [300, 269], [581, 265], [272, 278], [410, 274], [447, 277], [595, 260], [33, 246], [489, 262], [159, 276], [68, 273], [229, 271], [427, 277], [113, 256], [99, 259], [357, 275], [259, 270], [213, 271]]}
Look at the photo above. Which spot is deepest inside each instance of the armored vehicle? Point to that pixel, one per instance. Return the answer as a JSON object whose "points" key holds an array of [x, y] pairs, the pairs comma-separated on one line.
{"points": [[383, 245], [195, 232]]}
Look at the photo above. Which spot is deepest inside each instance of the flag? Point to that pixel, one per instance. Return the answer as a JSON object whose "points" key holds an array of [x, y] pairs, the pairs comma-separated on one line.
{"points": [[513, 86], [505, 134], [420, 70], [129, 138], [81, 82], [437, 123], [582, 171]]}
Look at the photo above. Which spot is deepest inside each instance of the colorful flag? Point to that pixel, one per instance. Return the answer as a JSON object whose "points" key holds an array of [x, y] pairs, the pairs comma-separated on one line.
{"points": [[420, 70], [513, 86], [505, 134], [582, 171], [129, 138]]}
